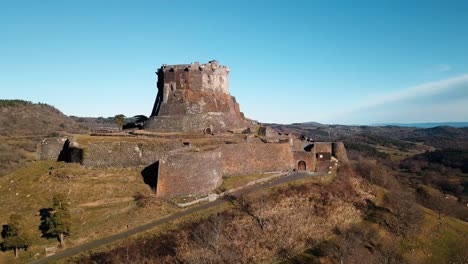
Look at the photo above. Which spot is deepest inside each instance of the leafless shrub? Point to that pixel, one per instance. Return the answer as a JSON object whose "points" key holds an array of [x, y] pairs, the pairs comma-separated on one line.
{"points": [[405, 217], [143, 200], [376, 173]]}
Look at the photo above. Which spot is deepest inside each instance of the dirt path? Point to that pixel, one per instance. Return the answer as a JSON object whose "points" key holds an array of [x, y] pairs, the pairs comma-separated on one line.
{"points": [[80, 249]]}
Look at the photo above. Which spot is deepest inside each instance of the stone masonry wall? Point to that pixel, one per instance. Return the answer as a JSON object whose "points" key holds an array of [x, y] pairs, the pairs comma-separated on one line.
{"points": [[190, 93], [321, 147], [49, 148], [195, 123], [241, 159], [124, 154], [339, 151], [189, 173], [308, 157]]}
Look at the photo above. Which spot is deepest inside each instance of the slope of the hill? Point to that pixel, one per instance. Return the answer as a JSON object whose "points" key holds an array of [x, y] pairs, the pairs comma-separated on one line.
{"points": [[22, 118], [22, 126], [102, 202]]}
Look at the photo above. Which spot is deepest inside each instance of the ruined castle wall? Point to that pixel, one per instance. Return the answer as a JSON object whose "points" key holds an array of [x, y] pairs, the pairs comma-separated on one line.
{"points": [[190, 95], [323, 147], [339, 151], [196, 123], [307, 157], [242, 159], [124, 154], [189, 173], [50, 148]]}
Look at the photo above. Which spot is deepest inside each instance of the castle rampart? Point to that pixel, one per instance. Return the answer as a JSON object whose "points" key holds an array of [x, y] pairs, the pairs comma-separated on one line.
{"points": [[194, 98]]}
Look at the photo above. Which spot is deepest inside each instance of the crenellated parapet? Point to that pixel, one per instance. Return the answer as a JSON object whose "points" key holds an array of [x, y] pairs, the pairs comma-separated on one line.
{"points": [[187, 90], [209, 77]]}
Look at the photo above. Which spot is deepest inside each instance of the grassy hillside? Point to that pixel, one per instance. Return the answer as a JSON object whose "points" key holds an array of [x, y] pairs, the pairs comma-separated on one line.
{"points": [[436, 241], [439, 241], [265, 227], [23, 125], [22, 118], [102, 201]]}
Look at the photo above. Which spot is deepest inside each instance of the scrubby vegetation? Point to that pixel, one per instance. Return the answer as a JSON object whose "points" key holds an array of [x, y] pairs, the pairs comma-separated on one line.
{"points": [[23, 125], [396, 202], [265, 227], [364, 150], [101, 203]]}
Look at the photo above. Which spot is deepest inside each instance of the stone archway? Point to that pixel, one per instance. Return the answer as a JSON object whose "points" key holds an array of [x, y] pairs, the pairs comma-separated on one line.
{"points": [[208, 131], [301, 166]]}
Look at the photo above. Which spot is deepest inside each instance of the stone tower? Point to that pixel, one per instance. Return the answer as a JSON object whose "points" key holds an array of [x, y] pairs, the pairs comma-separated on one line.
{"points": [[195, 98]]}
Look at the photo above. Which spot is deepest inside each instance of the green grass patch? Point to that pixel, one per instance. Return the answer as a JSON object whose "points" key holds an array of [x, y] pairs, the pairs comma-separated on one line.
{"points": [[440, 240]]}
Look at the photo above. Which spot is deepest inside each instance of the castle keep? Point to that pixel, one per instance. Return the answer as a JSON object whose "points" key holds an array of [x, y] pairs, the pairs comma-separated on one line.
{"points": [[194, 97], [196, 137]]}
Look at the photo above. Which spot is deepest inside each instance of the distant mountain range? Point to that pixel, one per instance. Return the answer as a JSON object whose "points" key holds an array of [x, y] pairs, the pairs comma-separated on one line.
{"points": [[424, 125]]}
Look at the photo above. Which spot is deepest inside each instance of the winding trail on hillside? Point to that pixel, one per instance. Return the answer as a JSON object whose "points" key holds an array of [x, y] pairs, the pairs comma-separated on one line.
{"points": [[107, 240]]}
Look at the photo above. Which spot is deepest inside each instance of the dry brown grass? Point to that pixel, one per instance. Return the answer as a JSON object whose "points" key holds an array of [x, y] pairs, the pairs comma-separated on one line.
{"points": [[262, 228], [102, 200]]}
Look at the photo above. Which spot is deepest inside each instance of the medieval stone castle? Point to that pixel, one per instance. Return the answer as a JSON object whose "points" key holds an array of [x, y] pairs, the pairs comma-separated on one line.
{"points": [[196, 136]]}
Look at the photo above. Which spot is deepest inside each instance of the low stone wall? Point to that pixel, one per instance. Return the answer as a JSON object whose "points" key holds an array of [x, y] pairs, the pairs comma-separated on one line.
{"points": [[189, 173], [245, 158], [214, 196], [108, 154], [116, 154], [50, 148], [123, 154]]}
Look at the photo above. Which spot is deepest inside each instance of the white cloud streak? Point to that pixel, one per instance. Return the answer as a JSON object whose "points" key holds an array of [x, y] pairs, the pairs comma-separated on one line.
{"points": [[426, 89], [444, 68], [383, 106]]}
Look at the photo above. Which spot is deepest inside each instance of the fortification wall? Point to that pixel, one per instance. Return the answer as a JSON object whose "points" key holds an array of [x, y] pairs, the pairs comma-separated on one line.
{"points": [[50, 148], [189, 173], [124, 154], [245, 158], [339, 151], [195, 123], [307, 157], [323, 147], [190, 94]]}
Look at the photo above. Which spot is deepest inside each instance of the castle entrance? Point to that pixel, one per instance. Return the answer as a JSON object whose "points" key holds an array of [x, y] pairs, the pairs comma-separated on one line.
{"points": [[208, 131], [301, 166]]}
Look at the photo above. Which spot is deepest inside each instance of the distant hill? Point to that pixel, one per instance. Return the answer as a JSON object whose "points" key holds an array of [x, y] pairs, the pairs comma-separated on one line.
{"points": [[440, 137], [21, 118], [23, 125], [424, 125], [97, 123]]}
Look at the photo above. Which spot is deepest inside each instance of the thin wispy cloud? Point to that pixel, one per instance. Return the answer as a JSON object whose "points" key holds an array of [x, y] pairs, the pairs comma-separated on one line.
{"points": [[444, 68], [422, 90], [406, 102]]}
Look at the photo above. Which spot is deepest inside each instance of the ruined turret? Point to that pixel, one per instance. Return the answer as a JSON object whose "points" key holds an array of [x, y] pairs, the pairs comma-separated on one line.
{"points": [[195, 98]]}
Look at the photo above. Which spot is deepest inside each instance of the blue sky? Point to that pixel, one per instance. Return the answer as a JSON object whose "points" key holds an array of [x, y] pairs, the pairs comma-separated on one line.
{"points": [[349, 62]]}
